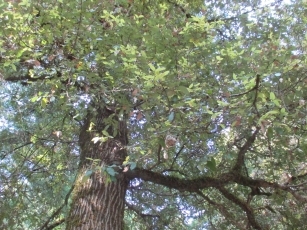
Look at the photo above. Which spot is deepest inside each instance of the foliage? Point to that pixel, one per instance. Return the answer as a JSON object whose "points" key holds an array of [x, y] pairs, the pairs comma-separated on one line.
{"points": [[225, 79]]}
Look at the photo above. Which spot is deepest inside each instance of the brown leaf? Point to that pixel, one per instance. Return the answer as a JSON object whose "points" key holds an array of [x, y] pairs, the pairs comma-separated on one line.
{"points": [[237, 122], [36, 63], [51, 57], [33, 62], [226, 94], [135, 92], [139, 116]]}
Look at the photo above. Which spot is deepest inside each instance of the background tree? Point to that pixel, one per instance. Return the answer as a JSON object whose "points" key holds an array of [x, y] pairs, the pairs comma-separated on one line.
{"points": [[153, 114]]}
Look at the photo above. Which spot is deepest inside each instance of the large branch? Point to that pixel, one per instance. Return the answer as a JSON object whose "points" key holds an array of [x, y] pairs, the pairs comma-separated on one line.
{"points": [[195, 185], [200, 183], [26, 78], [259, 183], [192, 185]]}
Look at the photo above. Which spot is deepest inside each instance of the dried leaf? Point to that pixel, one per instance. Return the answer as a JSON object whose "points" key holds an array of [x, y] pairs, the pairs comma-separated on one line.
{"points": [[33, 62], [301, 102], [51, 57], [135, 92], [226, 94], [58, 134], [139, 116], [237, 122], [126, 168], [165, 155]]}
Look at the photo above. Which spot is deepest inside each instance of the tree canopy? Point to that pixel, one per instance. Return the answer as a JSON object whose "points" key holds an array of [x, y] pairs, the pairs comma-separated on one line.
{"points": [[202, 105]]}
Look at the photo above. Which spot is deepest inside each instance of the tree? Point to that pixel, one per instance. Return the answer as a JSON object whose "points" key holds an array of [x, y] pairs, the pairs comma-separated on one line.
{"points": [[153, 114]]}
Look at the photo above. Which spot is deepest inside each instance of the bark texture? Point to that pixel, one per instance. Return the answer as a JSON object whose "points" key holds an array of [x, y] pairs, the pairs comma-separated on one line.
{"points": [[98, 204]]}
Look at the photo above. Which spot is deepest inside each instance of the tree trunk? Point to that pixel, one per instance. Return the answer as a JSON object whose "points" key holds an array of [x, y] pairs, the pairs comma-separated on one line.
{"points": [[98, 203]]}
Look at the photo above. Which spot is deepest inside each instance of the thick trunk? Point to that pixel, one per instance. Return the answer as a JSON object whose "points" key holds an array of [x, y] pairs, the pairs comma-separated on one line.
{"points": [[98, 203]]}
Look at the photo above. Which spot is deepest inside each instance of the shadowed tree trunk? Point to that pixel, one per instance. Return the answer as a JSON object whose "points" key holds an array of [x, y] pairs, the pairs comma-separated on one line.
{"points": [[98, 203]]}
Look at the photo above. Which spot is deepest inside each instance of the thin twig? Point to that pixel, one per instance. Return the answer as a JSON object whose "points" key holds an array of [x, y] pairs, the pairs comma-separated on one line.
{"points": [[57, 212]]}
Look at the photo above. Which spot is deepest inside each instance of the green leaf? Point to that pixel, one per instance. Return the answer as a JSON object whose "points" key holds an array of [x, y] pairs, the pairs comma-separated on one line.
{"points": [[132, 165], [87, 175], [35, 98], [105, 133], [126, 161], [111, 171], [151, 67], [269, 133], [183, 90], [211, 165], [276, 102], [272, 96], [201, 167], [171, 116], [268, 115]]}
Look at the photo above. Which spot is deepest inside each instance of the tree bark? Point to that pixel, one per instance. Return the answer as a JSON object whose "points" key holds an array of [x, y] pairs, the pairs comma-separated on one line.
{"points": [[98, 203]]}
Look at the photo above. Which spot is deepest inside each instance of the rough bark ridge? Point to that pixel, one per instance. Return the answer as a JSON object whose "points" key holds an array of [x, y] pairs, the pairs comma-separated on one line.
{"points": [[96, 203]]}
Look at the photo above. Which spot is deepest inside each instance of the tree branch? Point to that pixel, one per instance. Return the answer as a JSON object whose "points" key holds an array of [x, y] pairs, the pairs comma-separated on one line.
{"points": [[55, 224], [252, 89], [193, 185], [138, 212], [248, 210], [57, 212], [28, 78], [158, 156], [176, 156], [241, 155], [253, 183], [222, 209]]}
